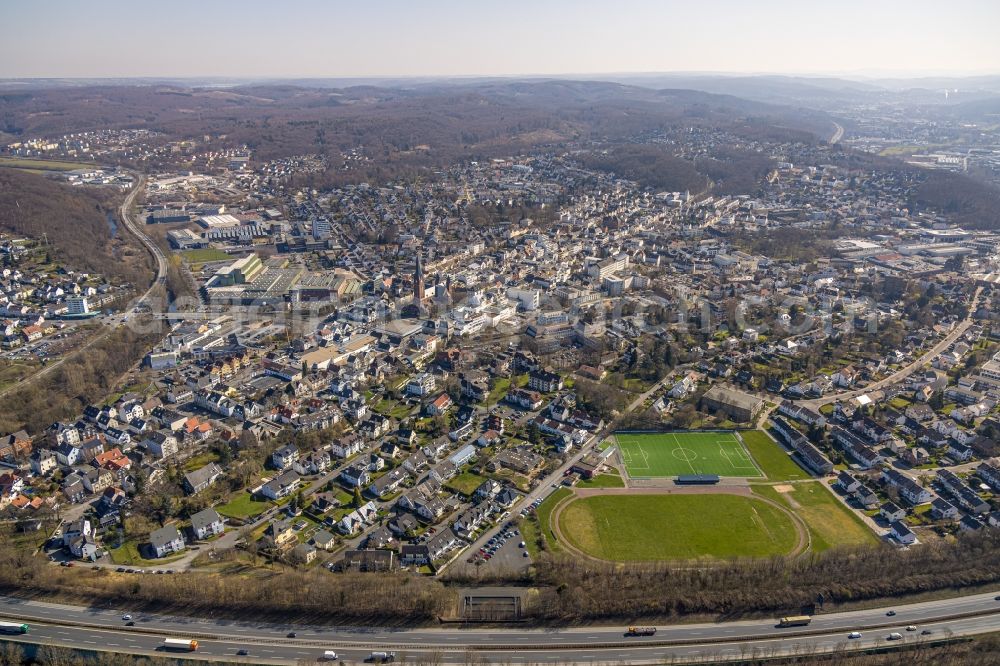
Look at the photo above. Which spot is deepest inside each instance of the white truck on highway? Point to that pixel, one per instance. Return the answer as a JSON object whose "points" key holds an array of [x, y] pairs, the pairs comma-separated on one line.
{"points": [[13, 628], [381, 657], [185, 644]]}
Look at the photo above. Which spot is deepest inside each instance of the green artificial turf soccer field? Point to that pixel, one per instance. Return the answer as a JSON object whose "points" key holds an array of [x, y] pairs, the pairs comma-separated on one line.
{"points": [[666, 454]]}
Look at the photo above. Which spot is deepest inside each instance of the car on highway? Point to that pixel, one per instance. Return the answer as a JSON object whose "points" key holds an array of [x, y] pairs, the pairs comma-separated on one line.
{"points": [[126, 617], [329, 655], [290, 634], [894, 636], [854, 634], [130, 623], [891, 613], [926, 632], [242, 652], [911, 627]]}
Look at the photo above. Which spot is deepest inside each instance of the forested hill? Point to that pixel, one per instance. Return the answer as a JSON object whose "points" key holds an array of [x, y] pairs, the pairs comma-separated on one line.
{"points": [[73, 219]]}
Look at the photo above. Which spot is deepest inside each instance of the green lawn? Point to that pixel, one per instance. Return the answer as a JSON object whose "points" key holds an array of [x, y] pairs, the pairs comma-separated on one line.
{"points": [[665, 454], [465, 483], [775, 462], [202, 255], [44, 165], [499, 390], [830, 523], [544, 513], [671, 527], [602, 481], [530, 534], [200, 460], [244, 505]]}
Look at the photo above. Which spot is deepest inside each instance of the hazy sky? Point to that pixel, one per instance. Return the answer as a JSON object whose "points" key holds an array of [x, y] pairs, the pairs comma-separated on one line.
{"points": [[312, 38]]}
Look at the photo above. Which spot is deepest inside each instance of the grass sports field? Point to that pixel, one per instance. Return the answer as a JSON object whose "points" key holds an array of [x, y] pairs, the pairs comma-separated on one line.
{"points": [[666, 454], [830, 523], [630, 528]]}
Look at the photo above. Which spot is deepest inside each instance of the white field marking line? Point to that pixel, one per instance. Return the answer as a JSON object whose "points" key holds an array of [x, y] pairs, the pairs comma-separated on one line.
{"points": [[734, 457], [740, 454], [632, 461], [764, 526], [679, 447]]}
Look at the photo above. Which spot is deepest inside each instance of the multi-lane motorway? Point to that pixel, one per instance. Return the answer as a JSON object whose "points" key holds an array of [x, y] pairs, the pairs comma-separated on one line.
{"points": [[104, 629]]}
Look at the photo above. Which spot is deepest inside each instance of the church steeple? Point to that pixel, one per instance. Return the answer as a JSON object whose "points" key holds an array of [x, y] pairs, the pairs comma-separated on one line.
{"points": [[418, 280]]}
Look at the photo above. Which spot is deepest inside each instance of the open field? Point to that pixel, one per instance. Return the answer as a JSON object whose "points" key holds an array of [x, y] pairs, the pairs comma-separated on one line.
{"points": [[830, 523], [771, 457], [43, 165], [465, 483], [243, 506], [665, 454], [13, 372], [672, 527], [203, 255]]}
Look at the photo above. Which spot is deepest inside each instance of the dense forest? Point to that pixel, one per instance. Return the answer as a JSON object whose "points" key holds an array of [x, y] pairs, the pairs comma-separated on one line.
{"points": [[75, 220], [968, 202], [652, 166], [405, 131]]}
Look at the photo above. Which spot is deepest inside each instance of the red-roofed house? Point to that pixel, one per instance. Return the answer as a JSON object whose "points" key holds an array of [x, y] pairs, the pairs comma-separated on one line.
{"points": [[439, 405]]}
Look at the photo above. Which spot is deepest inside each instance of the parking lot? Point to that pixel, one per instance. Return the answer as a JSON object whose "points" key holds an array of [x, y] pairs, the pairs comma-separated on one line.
{"points": [[503, 554]]}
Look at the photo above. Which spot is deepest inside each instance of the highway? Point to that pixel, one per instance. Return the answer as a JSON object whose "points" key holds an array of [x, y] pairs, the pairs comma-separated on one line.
{"points": [[838, 133], [91, 628]]}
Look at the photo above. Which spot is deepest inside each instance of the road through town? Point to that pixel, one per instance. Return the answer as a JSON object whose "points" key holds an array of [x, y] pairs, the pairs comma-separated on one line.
{"points": [[906, 370]]}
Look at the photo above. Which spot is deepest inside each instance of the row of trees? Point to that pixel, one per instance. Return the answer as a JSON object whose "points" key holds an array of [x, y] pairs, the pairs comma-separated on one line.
{"points": [[579, 589], [289, 595]]}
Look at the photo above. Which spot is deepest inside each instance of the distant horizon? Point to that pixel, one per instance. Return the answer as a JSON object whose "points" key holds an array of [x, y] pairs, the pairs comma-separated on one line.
{"points": [[393, 39], [578, 76]]}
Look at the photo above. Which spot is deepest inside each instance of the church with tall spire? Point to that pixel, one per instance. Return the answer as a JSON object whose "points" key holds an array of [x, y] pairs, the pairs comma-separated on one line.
{"points": [[418, 280]]}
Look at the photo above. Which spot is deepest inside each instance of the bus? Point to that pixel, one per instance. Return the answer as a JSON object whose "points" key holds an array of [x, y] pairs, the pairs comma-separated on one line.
{"points": [[185, 644], [794, 621], [13, 628]]}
